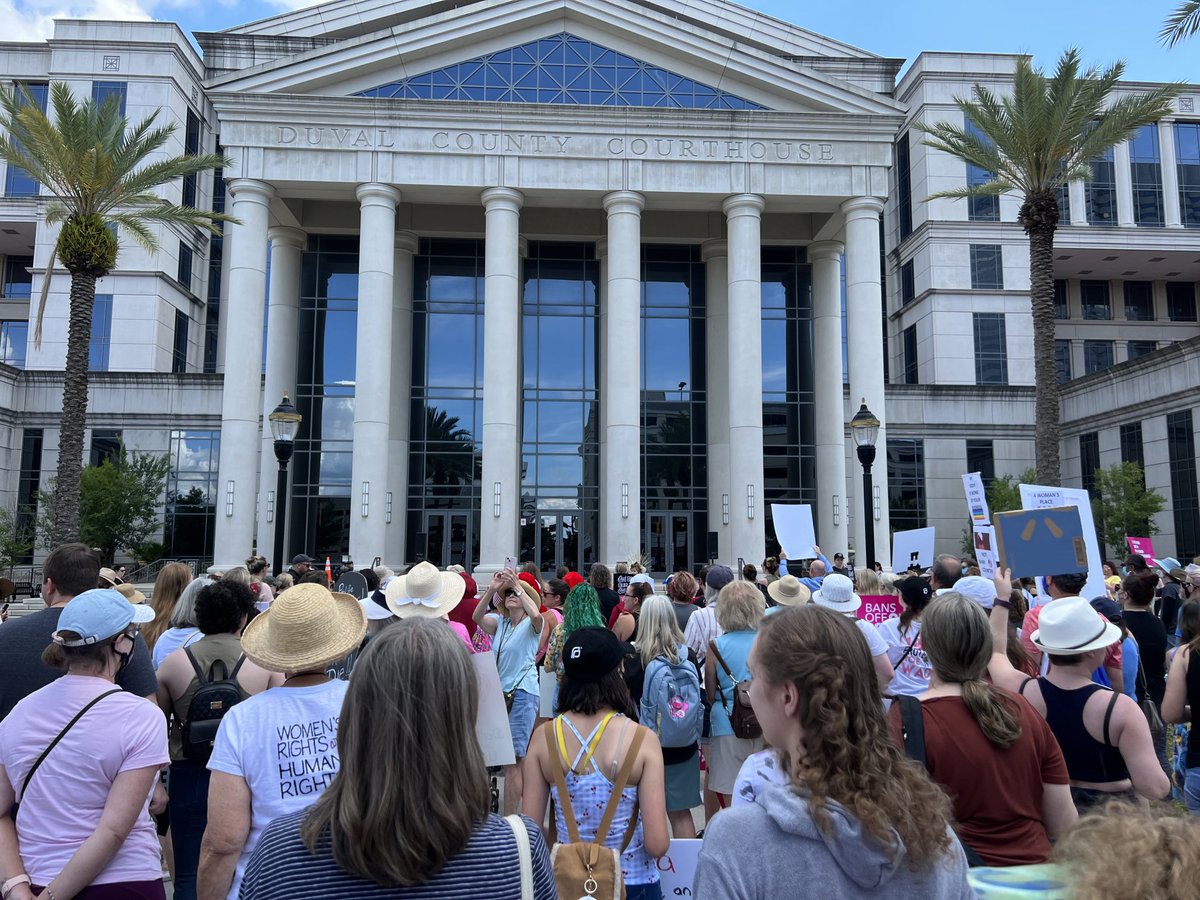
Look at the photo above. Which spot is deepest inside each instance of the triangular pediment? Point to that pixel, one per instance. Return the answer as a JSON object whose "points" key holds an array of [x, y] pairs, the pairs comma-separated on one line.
{"points": [[662, 58]]}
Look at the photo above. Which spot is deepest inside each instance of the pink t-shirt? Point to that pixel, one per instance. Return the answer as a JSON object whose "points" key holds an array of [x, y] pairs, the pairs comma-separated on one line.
{"points": [[68, 792], [461, 630]]}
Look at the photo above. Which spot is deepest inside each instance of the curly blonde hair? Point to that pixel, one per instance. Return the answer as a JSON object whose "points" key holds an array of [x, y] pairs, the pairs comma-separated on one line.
{"points": [[850, 756], [1123, 850]]}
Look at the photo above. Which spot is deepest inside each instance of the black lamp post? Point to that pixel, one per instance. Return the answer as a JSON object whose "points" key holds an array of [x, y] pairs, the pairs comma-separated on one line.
{"points": [[285, 423], [864, 427]]}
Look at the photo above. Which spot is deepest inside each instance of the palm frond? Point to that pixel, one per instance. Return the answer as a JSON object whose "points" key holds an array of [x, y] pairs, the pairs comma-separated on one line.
{"points": [[1183, 23], [43, 295], [135, 225]]}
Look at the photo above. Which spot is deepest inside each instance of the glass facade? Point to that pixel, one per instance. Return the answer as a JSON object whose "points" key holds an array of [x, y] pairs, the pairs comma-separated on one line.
{"points": [[561, 69], [1139, 301], [912, 364], [191, 509], [1187, 160], [14, 339], [98, 345], [1062, 360], [1181, 301], [1097, 356], [18, 279], [1094, 300], [1062, 309], [1131, 444], [103, 91], [904, 185], [216, 249], [106, 445], [1145, 169], [987, 267], [28, 484], [1100, 193], [980, 209], [906, 483], [1185, 497], [991, 348], [18, 182]]}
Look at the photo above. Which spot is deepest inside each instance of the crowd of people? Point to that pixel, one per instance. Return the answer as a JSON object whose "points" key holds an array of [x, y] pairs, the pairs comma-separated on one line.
{"points": [[269, 737]]}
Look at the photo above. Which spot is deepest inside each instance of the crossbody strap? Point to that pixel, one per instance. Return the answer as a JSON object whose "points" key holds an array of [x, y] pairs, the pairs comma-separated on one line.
{"points": [[1108, 713], [909, 649], [560, 781], [61, 735], [524, 855], [712, 645], [614, 800]]}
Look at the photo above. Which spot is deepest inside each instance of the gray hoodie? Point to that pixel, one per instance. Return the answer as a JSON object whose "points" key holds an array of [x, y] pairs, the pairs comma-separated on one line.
{"points": [[772, 849]]}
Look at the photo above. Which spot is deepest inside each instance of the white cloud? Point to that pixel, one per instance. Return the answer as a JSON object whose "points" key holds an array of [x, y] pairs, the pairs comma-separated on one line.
{"points": [[33, 20]]}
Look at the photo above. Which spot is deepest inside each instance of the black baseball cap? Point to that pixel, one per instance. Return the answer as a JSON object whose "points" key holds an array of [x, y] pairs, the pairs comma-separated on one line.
{"points": [[301, 558], [1110, 609], [915, 591], [839, 556], [591, 653]]}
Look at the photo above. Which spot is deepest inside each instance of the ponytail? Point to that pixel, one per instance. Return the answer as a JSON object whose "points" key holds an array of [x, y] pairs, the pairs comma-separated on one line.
{"points": [[995, 714]]}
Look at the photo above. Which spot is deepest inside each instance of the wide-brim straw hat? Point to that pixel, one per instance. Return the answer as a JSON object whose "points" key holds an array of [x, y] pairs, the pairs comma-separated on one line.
{"points": [[837, 593], [788, 591], [1070, 625], [130, 593], [307, 627], [424, 592]]}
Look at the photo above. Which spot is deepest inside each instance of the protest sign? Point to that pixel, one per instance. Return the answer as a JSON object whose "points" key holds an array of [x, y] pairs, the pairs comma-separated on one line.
{"points": [[352, 583], [912, 548], [547, 683], [1144, 547], [677, 870], [1039, 496], [878, 608], [976, 498], [1033, 542], [985, 550], [794, 529], [491, 722]]}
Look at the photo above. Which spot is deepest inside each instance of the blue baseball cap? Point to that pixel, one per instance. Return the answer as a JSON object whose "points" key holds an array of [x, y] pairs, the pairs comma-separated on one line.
{"points": [[99, 614]]}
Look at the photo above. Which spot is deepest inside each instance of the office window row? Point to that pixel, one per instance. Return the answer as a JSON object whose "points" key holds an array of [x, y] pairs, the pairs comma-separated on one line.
{"points": [[1095, 300], [1097, 356]]}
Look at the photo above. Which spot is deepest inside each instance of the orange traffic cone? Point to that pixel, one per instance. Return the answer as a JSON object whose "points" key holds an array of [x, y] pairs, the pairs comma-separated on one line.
{"points": [[328, 570]]}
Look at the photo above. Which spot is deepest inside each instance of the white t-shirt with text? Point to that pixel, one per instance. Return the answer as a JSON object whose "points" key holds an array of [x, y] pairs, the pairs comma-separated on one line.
{"points": [[913, 674]]}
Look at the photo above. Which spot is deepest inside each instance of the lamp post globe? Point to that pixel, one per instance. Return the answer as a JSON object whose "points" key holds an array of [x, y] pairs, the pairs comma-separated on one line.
{"points": [[864, 428]]}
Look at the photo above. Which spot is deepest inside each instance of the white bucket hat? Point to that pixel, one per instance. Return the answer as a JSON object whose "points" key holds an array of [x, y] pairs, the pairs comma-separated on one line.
{"points": [[424, 592], [837, 593], [1070, 625]]}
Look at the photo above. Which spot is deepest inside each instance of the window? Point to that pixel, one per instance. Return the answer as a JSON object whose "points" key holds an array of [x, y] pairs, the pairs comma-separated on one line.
{"points": [[1146, 173], [18, 182], [1140, 348], [1097, 355], [101, 333], [106, 444], [1181, 448], [1061, 308], [906, 483], [1187, 156], [904, 186], [102, 91], [991, 348], [908, 283], [18, 280], [191, 146], [1139, 301], [184, 273], [911, 363], [987, 268], [28, 483], [562, 69], [981, 458], [191, 506], [1181, 301], [1062, 360], [1093, 298], [14, 338], [216, 252], [179, 352], [1100, 192], [980, 209], [1131, 444], [1089, 460], [1063, 194]]}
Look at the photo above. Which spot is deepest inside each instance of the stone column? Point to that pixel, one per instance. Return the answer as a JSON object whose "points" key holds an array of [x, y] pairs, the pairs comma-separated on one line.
{"points": [[372, 376], [864, 316], [1078, 196], [501, 487], [716, 300], [621, 499], [400, 357], [1172, 216], [1124, 179], [830, 414], [747, 513], [283, 321], [241, 398]]}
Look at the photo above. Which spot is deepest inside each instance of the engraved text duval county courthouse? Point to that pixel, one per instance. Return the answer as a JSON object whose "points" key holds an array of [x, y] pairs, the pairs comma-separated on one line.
{"points": [[351, 138]]}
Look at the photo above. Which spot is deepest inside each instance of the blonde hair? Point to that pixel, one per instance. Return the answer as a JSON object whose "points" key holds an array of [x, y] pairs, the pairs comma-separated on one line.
{"points": [[887, 584], [169, 586], [237, 575], [866, 581], [740, 606], [283, 582], [658, 631]]}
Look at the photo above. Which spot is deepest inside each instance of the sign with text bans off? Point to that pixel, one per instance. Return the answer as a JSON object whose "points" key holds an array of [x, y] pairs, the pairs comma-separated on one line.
{"points": [[878, 608]]}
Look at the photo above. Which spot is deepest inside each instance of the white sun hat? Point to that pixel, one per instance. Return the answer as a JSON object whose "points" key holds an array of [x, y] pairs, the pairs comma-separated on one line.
{"points": [[1070, 625]]}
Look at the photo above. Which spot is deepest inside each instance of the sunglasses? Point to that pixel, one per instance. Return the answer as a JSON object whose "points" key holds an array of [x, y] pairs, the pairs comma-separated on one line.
{"points": [[511, 593]]}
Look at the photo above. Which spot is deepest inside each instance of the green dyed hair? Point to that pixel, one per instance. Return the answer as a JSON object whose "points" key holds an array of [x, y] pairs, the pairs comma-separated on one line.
{"points": [[582, 609]]}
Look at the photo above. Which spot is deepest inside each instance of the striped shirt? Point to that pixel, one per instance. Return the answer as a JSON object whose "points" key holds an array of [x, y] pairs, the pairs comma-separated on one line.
{"points": [[702, 629], [283, 869]]}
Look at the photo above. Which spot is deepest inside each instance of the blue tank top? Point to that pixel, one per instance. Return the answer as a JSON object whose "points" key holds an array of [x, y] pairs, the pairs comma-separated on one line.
{"points": [[1087, 758]]}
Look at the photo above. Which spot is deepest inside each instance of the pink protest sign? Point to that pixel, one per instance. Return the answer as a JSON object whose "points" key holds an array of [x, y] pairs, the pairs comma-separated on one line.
{"points": [[1142, 546], [878, 608]]}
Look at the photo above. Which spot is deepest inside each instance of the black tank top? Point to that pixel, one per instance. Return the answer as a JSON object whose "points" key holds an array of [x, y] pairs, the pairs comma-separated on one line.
{"points": [[1192, 760], [1087, 758]]}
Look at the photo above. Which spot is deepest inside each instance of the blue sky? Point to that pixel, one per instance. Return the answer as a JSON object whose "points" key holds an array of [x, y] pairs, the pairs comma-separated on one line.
{"points": [[1105, 30]]}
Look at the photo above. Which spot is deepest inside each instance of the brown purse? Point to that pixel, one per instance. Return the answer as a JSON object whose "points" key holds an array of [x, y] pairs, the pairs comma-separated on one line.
{"points": [[742, 717]]}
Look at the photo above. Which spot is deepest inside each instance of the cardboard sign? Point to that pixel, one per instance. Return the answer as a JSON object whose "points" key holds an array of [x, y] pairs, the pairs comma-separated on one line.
{"points": [[354, 584], [1039, 496], [547, 688], [976, 498], [1144, 547], [985, 550], [1035, 542], [491, 724], [794, 529], [912, 547], [878, 608], [677, 870]]}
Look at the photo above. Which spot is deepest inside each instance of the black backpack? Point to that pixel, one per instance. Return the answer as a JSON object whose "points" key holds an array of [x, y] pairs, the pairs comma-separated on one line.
{"points": [[216, 694]]}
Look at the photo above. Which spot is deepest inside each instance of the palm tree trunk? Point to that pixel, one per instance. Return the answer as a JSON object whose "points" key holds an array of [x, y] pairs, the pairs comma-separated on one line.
{"points": [[1045, 366], [74, 410]]}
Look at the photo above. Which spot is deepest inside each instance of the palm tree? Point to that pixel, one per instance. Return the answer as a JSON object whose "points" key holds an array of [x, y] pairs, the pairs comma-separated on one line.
{"points": [[97, 173], [1033, 142], [1182, 23]]}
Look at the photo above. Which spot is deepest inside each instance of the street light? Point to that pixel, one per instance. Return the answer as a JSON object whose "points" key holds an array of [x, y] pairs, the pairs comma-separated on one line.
{"points": [[285, 423], [864, 428]]}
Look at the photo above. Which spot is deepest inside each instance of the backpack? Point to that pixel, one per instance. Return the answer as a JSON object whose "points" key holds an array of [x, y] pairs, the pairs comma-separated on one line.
{"points": [[670, 703], [742, 718], [584, 869], [215, 696]]}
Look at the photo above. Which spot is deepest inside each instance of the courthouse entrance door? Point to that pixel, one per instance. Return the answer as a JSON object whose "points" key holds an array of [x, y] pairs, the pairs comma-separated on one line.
{"points": [[554, 540], [447, 538], [669, 541]]}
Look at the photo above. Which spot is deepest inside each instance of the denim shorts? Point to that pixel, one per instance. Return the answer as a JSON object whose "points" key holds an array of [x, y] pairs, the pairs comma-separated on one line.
{"points": [[521, 719], [1191, 791]]}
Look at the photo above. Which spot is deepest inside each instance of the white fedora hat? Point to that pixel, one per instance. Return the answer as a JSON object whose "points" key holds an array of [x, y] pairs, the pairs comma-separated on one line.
{"points": [[837, 593], [1070, 625], [424, 592]]}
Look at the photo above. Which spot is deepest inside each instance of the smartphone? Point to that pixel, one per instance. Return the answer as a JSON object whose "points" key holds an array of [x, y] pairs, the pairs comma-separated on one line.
{"points": [[4, 608], [510, 563]]}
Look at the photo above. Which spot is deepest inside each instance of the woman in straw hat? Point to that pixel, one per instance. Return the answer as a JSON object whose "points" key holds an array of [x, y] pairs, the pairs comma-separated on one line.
{"points": [[426, 593], [1104, 736], [509, 613], [277, 751]]}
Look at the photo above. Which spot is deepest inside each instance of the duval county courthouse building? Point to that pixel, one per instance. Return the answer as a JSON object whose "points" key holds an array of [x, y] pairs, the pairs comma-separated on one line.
{"points": [[572, 280]]}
